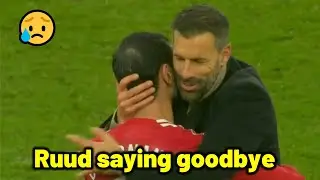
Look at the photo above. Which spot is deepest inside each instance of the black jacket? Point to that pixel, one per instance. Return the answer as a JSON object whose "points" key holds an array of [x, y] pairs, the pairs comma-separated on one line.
{"points": [[238, 114]]}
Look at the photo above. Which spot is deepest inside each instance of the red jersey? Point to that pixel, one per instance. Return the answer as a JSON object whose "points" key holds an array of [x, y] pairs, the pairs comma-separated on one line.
{"points": [[283, 172], [154, 135]]}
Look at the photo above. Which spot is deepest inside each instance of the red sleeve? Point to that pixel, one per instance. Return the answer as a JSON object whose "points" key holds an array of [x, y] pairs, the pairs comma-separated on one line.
{"points": [[284, 172]]}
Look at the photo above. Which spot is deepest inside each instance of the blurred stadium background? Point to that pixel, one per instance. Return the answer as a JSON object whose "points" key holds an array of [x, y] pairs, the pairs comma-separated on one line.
{"points": [[67, 86]]}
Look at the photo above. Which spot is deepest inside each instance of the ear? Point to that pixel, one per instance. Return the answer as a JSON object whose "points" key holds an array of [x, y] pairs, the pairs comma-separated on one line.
{"points": [[226, 53], [166, 74]]}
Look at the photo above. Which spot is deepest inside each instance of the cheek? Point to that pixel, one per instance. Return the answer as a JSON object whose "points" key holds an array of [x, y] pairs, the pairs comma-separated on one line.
{"points": [[205, 69], [50, 27], [49, 30], [24, 26], [202, 71]]}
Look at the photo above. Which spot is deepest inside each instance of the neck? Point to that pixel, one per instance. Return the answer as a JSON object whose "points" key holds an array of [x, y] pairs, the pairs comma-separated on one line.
{"points": [[217, 82], [160, 108]]}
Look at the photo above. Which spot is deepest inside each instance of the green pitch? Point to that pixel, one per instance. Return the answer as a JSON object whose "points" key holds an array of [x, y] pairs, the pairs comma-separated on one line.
{"points": [[66, 86]]}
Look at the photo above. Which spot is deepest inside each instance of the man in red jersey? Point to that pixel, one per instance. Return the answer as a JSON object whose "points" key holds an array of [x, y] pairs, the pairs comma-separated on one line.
{"points": [[149, 55]]}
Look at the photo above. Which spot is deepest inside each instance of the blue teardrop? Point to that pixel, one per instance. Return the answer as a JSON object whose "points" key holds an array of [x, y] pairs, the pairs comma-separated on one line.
{"points": [[25, 36]]}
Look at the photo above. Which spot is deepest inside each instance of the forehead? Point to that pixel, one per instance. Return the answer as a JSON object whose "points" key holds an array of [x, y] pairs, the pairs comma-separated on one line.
{"points": [[195, 46], [37, 16]]}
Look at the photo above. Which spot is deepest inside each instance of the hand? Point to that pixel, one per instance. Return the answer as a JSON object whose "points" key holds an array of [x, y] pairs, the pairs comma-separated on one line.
{"points": [[130, 101], [108, 144]]}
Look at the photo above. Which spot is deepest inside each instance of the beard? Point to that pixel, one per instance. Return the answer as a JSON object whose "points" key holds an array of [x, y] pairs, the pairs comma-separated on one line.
{"points": [[204, 85]]}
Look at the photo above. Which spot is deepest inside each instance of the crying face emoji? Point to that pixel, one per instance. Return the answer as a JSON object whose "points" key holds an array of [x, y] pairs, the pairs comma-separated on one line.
{"points": [[37, 28]]}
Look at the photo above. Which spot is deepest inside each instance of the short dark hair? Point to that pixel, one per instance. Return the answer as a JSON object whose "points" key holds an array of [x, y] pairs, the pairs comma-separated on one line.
{"points": [[143, 53], [199, 19]]}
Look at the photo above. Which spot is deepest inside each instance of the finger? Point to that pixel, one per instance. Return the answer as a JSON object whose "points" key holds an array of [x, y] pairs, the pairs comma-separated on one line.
{"points": [[140, 104], [83, 142], [104, 136], [140, 88], [134, 91], [108, 140], [136, 99], [122, 86]]}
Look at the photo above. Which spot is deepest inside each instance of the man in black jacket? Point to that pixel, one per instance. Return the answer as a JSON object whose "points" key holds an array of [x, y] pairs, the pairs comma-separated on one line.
{"points": [[217, 94]]}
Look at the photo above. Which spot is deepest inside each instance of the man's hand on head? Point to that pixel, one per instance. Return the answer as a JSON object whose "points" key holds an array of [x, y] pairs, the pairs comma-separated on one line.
{"points": [[131, 100]]}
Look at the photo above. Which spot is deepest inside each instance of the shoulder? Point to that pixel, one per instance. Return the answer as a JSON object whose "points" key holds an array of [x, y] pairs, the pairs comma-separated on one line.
{"points": [[147, 125], [243, 83], [135, 130], [243, 95], [178, 137], [168, 126], [137, 123]]}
